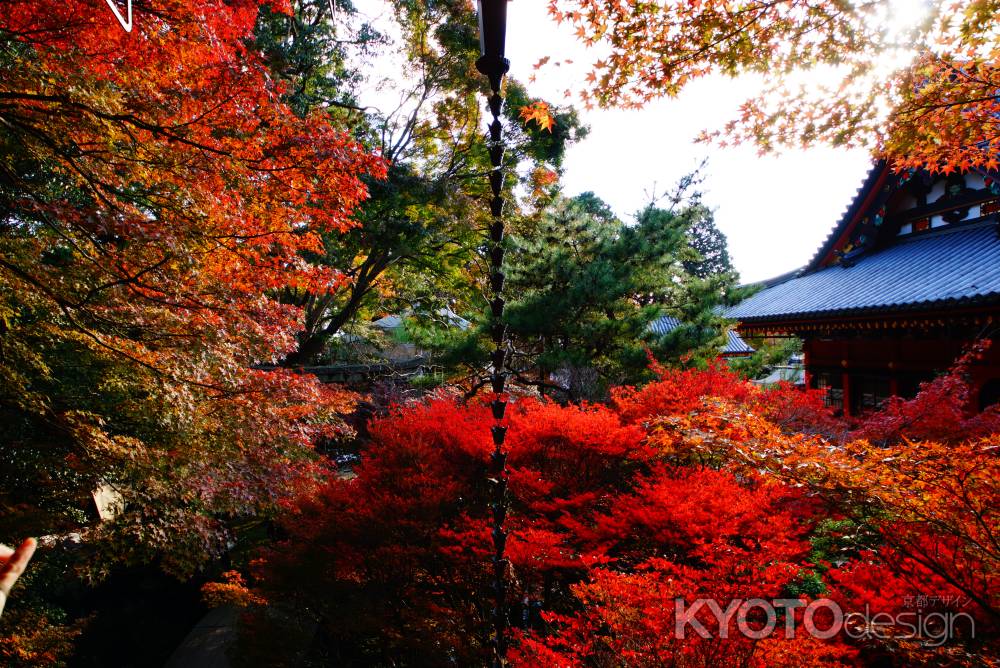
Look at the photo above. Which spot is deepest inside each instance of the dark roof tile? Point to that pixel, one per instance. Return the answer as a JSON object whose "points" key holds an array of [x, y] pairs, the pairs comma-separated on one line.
{"points": [[735, 344]]}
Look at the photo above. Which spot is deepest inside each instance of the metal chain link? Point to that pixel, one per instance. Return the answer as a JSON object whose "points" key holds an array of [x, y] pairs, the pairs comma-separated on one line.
{"points": [[498, 330]]}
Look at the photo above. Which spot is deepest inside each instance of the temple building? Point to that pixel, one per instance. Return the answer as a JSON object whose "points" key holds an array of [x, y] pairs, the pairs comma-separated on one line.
{"points": [[907, 279]]}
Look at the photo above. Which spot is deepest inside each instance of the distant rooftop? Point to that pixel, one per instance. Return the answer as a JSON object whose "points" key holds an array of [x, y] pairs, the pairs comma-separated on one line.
{"points": [[446, 315], [735, 345]]}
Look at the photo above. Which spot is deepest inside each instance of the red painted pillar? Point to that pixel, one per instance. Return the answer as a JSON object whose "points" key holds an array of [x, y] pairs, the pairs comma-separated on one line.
{"points": [[807, 373], [846, 379], [894, 359]]}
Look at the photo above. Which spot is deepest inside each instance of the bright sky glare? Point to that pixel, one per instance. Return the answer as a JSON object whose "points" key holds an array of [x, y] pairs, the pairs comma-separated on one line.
{"points": [[775, 210]]}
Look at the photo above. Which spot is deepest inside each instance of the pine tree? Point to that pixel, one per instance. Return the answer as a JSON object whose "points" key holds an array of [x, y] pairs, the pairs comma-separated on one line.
{"points": [[709, 242], [587, 288]]}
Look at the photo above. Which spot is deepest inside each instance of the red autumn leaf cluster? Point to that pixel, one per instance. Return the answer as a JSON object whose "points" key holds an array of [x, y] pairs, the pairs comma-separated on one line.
{"points": [[697, 486]]}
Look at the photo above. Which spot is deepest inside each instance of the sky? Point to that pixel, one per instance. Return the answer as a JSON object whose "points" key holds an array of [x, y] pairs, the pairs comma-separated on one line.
{"points": [[775, 210]]}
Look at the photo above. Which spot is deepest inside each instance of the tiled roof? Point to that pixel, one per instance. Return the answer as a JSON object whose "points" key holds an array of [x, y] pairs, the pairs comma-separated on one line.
{"points": [[664, 325], [734, 343], [954, 266], [388, 322]]}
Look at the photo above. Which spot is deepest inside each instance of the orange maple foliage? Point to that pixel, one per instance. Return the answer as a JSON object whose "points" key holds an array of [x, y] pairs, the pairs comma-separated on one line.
{"points": [[540, 113], [232, 591]]}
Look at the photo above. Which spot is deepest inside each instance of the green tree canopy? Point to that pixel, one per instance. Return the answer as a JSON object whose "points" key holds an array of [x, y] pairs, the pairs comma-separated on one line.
{"points": [[586, 288]]}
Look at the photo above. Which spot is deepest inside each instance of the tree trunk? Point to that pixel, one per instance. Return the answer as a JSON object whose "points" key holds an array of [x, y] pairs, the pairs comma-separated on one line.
{"points": [[307, 351]]}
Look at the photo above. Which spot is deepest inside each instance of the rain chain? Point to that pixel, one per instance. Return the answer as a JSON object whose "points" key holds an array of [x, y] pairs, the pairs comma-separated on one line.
{"points": [[495, 70]]}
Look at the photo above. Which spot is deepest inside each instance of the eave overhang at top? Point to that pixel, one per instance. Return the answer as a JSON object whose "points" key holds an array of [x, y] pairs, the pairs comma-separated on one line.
{"points": [[965, 313]]}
